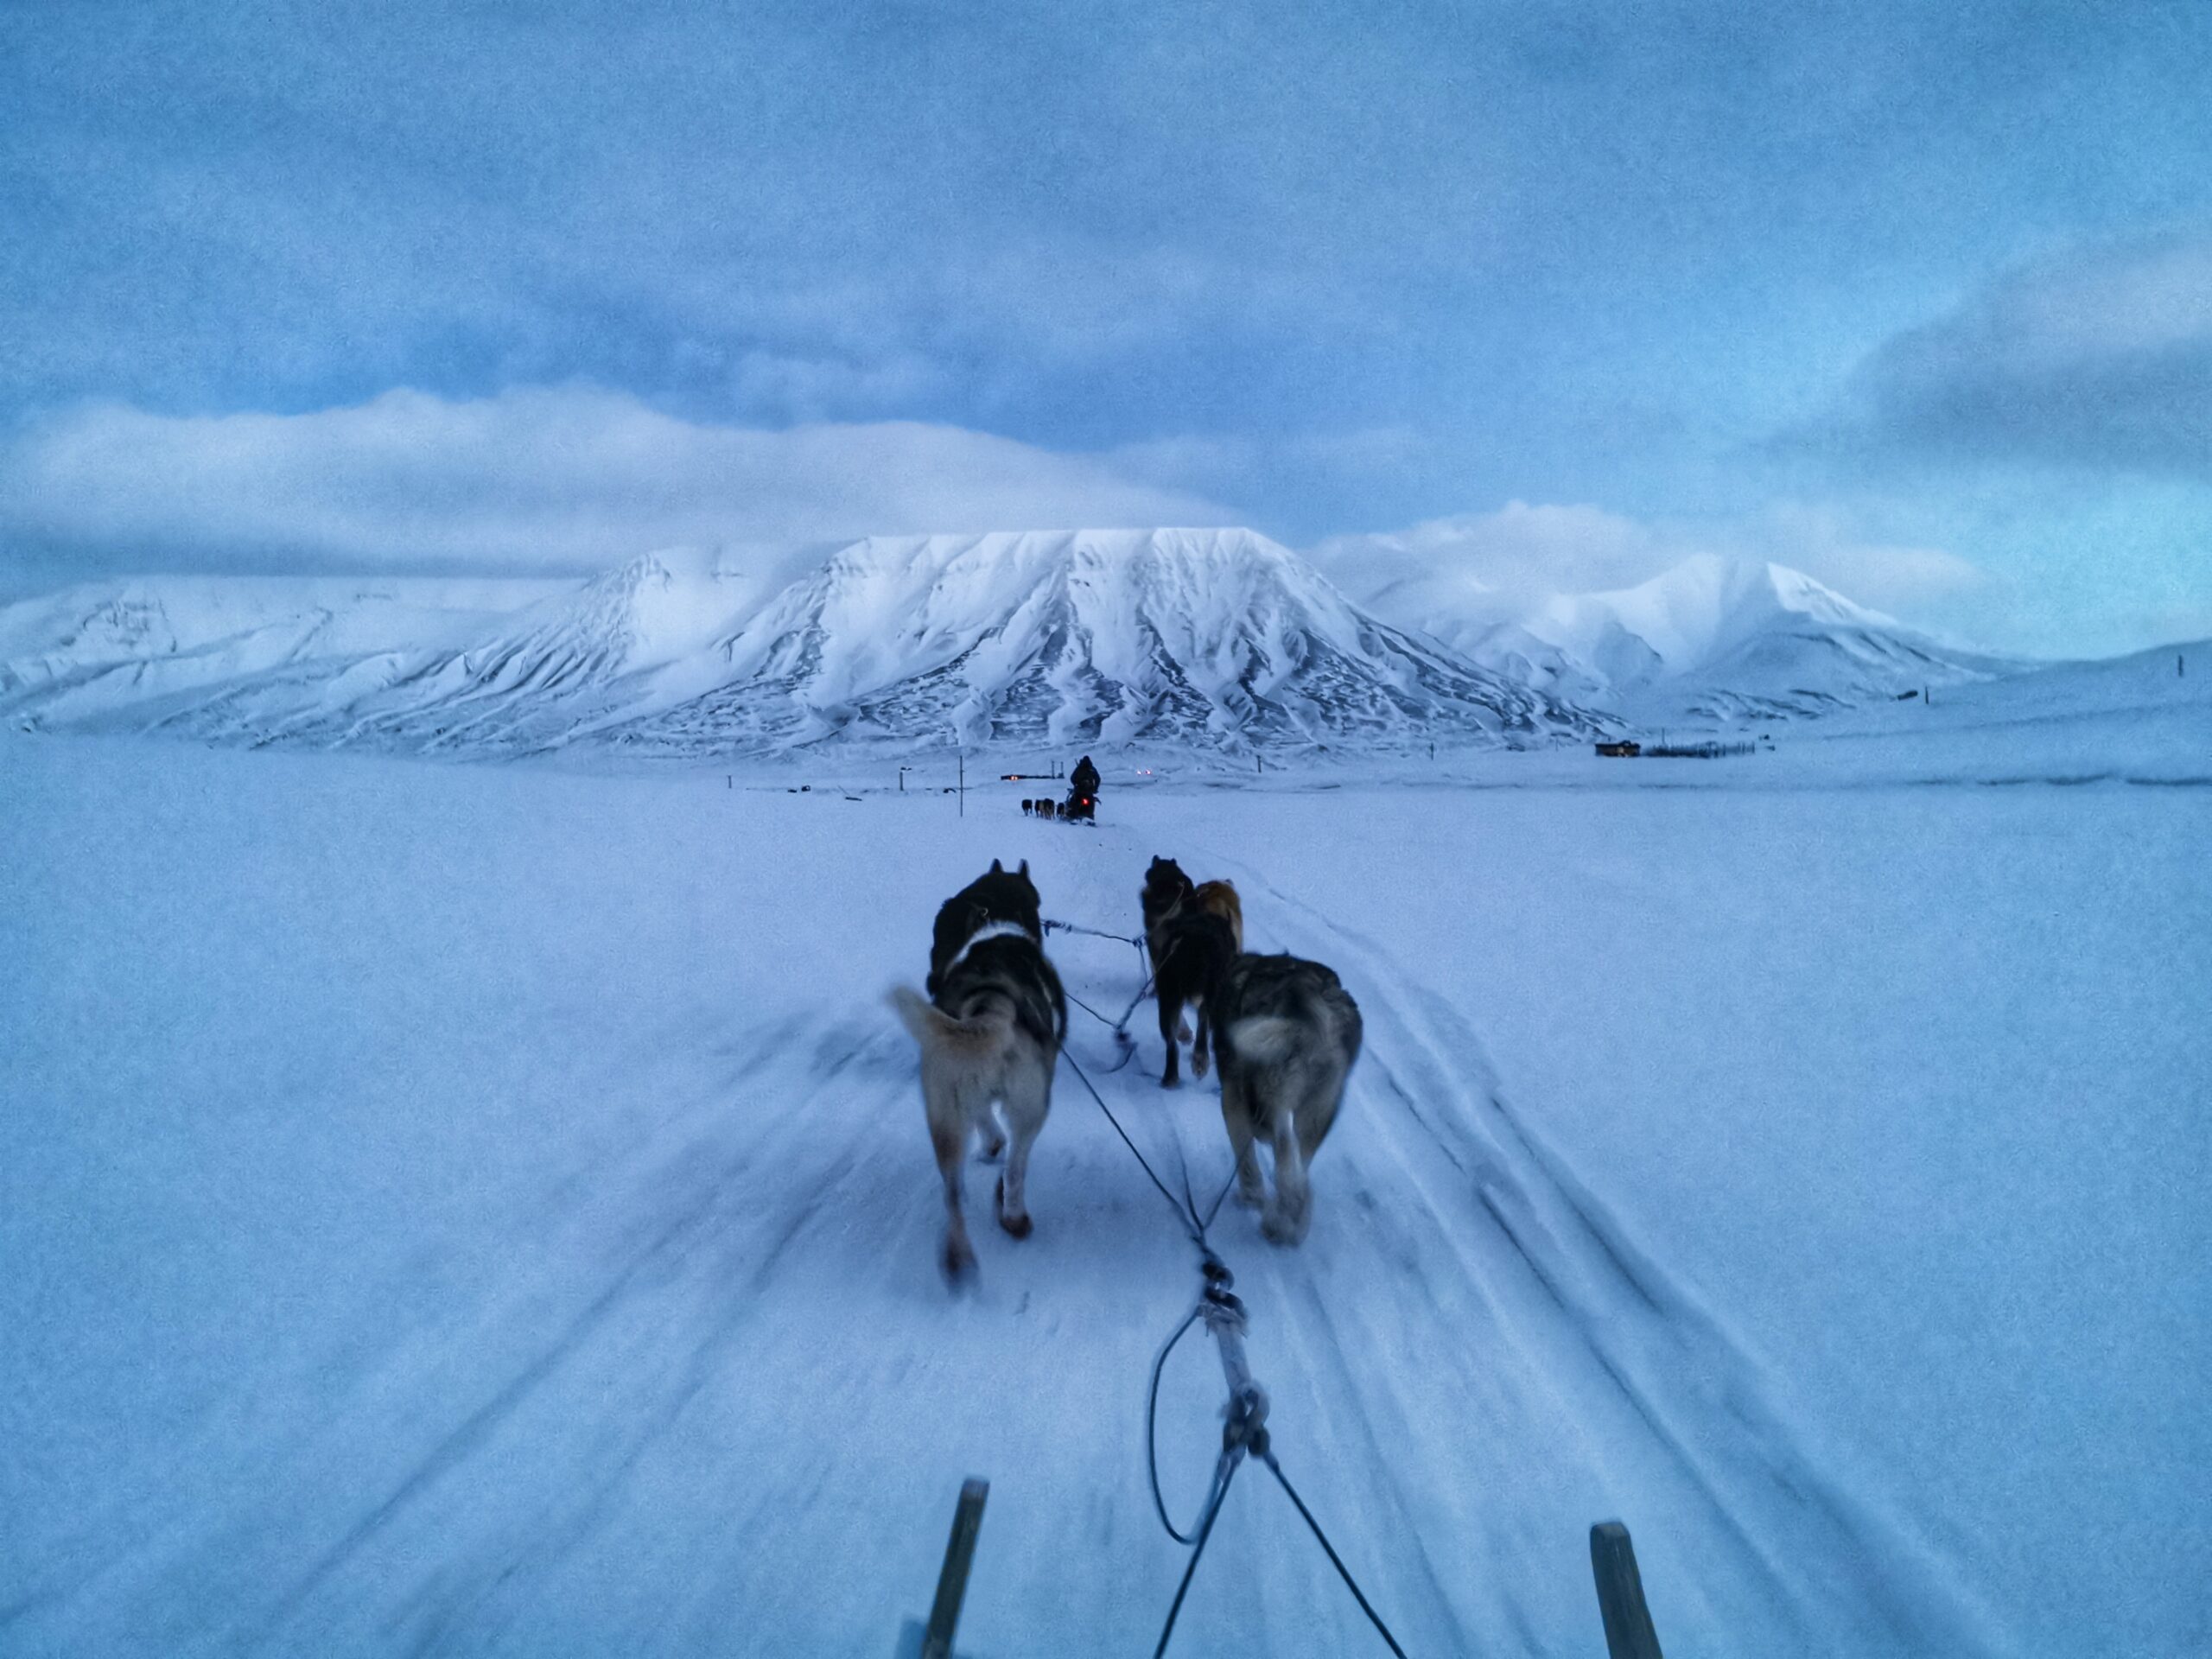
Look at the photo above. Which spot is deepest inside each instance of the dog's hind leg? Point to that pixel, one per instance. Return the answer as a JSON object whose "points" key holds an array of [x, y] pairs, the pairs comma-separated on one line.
{"points": [[1027, 1097], [1200, 1057], [1287, 1216], [949, 1139], [1171, 1015], [1317, 1112], [990, 1137], [1237, 1116]]}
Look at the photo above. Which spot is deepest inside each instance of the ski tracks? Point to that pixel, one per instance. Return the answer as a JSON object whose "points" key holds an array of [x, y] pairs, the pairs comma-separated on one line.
{"points": [[1584, 1367], [456, 1486]]}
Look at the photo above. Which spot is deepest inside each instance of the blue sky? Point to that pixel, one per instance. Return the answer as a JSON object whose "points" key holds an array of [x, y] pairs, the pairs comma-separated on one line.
{"points": [[1915, 296]]}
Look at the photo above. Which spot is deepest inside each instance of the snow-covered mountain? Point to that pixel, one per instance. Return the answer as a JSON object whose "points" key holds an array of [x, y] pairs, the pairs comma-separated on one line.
{"points": [[1215, 640], [1713, 638]]}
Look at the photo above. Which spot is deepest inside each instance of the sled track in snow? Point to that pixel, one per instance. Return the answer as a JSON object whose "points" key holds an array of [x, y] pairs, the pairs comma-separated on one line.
{"points": [[691, 1376], [1594, 1315]]}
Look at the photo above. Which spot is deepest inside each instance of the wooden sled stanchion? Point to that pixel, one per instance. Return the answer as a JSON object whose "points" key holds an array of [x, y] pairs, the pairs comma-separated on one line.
{"points": [[934, 1640], [1629, 1634]]}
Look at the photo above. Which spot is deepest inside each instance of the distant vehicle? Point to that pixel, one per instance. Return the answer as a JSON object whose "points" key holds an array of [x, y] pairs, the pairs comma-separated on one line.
{"points": [[1621, 748]]}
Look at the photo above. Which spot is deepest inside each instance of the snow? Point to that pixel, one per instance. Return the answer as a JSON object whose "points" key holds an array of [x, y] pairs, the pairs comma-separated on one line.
{"points": [[1713, 640], [1167, 640], [488, 1209]]}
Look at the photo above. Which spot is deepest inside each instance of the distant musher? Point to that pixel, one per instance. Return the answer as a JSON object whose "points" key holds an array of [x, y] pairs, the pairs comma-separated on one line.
{"points": [[1083, 791]]}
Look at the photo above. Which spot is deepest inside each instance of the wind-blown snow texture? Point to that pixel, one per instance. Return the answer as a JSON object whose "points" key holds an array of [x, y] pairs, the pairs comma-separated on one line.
{"points": [[1169, 640], [488, 1210]]}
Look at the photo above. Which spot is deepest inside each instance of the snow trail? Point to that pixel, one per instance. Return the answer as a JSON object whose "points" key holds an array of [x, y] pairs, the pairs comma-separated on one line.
{"points": [[678, 1374]]}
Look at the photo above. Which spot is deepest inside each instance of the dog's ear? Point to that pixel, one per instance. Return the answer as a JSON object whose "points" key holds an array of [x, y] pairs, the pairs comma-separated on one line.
{"points": [[997, 869], [1024, 866]]}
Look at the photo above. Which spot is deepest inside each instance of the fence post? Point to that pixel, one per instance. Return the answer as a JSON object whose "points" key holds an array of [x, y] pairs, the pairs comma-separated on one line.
{"points": [[1629, 1634], [952, 1582]]}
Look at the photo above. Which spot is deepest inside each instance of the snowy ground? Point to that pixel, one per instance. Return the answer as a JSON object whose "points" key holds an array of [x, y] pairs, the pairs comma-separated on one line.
{"points": [[458, 1210]]}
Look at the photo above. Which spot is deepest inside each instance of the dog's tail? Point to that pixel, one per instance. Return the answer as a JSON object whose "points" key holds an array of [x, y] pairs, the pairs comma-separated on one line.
{"points": [[1267, 1038], [933, 1027]]}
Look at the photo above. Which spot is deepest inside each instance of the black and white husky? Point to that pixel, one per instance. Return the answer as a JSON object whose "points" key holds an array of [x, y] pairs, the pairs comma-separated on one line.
{"points": [[991, 1036], [1287, 1033]]}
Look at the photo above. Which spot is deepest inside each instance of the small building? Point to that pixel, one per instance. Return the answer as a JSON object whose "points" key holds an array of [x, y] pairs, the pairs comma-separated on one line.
{"points": [[1622, 748]]}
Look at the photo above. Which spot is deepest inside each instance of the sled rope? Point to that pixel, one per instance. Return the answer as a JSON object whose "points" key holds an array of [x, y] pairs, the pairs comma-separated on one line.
{"points": [[1115, 1026], [1244, 1431], [1119, 1027], [1151, 1440], [1095, 932], [1266, 1455], [1189, 1224]]}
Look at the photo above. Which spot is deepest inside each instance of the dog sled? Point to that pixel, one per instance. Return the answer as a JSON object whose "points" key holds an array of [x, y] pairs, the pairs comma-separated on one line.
{"points": [[1080, 807]]}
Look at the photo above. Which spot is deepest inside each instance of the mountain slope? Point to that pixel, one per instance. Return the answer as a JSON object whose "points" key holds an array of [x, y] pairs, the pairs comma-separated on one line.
{"points": [[1218, 640], [1713, 638]]}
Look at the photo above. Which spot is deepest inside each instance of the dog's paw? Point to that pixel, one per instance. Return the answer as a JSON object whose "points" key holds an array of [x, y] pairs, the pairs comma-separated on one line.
{"points": [[1280, 1229], [1198, 1066], [1183, 1033], [1020, 1225], [958, 1263], [1171, 1081]]}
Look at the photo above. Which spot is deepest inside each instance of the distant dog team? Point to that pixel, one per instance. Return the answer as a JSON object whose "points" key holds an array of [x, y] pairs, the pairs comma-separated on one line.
{"points": [[1284, 1031]]}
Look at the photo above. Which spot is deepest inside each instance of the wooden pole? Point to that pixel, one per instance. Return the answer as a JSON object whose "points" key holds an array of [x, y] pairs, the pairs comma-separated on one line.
{"points": [[952, 1582], [1629, 1634]]}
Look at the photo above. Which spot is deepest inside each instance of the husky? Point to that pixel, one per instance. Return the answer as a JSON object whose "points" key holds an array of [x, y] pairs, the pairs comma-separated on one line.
{"points": [[1165, 887], [993, 896], [1288, 1033], [1219, 899], [1192, 948], [991, 1037]]}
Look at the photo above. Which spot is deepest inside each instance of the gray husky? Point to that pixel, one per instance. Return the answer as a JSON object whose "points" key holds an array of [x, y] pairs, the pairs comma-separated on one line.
{"points": [[992, 1035], [1288, 1033]]}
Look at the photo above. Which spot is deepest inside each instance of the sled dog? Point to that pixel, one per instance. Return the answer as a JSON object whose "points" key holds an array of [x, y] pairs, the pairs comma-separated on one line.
{"points": [[991, 1037], [1166, 887], [1192, 948], [994, 896], [1219, 899], [1288, 1033]]}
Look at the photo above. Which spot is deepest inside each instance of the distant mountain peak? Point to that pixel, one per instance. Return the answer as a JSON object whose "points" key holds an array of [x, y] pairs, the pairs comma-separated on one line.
{"points": [[1187, 640], [1711, 638]]}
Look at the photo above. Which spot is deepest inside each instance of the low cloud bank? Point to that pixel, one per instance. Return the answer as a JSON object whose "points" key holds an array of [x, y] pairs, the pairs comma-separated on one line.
{"points": [[551, 479]]}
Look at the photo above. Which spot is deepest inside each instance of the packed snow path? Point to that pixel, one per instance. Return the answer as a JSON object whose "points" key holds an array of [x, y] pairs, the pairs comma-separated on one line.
{"points": [[501, 1222]]}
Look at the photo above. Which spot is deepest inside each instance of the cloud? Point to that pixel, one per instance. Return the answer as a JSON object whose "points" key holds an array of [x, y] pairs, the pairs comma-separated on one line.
{"points": [[1246, 465], [542, 478], [1497, 561], [1518, 549], [2100, 361]]}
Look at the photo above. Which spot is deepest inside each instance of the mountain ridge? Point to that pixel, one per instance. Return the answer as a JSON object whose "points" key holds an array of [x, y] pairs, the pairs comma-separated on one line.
{"points": [[1710, 639], [1215, 641]]}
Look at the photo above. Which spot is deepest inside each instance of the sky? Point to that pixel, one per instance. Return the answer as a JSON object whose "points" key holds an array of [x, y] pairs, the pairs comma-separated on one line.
{"points": [[1917, 297]]}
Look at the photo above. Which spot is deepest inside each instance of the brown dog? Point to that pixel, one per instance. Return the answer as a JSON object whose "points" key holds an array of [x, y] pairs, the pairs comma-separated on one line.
{"points": [[1192, 946], [1219, 899]]}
